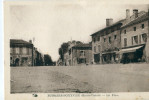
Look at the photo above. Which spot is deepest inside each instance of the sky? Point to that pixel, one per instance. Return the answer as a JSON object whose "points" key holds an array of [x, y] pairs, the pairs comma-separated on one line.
{"points": [[53, 23]]}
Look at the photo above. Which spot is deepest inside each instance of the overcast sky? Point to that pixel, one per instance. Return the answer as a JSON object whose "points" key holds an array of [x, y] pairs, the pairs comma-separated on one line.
{"points": [[53, 23]]}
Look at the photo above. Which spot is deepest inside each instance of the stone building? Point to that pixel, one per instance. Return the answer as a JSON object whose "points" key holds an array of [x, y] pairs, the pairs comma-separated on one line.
{"points": [[21, 53], [78, 54], [134, 34], [106, 43], [125, 39]]}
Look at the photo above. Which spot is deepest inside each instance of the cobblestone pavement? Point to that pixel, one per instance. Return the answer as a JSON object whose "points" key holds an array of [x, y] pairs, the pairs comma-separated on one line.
{"points": [[81, 79]]}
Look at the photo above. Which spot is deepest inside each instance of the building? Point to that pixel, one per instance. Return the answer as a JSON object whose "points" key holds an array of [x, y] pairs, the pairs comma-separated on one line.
{"points": [[66, 59], [38, 58], [79, 54], [21, 53], [134, 34], [123, 41], [106, 43]]}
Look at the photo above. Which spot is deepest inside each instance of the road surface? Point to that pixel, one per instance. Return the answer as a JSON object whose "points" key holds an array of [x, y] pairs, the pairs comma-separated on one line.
{"points": [[81, 79]]}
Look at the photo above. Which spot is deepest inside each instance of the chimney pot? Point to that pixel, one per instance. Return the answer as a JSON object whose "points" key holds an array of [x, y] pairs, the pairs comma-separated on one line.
{"points": [[127, 13], [109, 22], [135, 13], [30, 41]]}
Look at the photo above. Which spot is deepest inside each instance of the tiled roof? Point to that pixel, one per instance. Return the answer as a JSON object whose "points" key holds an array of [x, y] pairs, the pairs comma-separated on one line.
{"points": [[82, 46], [118, 22], [137, 20], [18, 41]]}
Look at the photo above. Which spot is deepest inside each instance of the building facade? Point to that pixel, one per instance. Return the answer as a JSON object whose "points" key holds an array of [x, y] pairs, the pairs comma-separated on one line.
{"points": [[21, 53], [123, 41], [78, 54], [134, 36], [106, 43]]}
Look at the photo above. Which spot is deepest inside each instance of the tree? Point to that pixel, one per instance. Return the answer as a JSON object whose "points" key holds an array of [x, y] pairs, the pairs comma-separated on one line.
{"points": [[48, 60]]}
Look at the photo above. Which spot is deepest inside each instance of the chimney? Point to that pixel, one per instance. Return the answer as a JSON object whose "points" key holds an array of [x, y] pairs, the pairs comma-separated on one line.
{"points": [[30, 41], [135, 13], [109, 22], [127, 14]]}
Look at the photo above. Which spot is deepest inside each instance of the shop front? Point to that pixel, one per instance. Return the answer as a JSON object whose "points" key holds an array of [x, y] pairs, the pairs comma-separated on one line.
{"points": [[132, 54]]}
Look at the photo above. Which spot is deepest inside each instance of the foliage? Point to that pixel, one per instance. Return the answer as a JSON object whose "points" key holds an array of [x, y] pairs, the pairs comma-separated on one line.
{"points": [[65, 46], [48, 60]]}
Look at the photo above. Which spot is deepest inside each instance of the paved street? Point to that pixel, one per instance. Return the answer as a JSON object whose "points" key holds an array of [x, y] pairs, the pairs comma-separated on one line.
{"points": [[81, 79]]}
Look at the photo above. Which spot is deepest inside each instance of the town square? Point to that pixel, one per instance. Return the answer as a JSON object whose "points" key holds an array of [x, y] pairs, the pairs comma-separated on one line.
{"points": [[78, 47]]}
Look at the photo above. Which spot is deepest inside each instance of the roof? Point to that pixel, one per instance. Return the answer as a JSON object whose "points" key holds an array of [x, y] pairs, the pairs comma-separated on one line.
{"points": [[116, 23], [83, 46], [142, 18], [19, 41], [14, 42]]}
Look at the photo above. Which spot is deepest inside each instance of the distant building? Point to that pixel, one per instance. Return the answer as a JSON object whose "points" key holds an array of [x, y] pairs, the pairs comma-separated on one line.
{"points": [[78, 54], [38, 58], [21, 53], [66, 59], [134, 35]]}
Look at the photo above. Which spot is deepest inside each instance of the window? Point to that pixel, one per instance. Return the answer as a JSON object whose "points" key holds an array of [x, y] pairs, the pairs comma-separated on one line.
{"points": [[125, 42], [144, 37], [98, 38], [21, 50], [24, 50], [104, 39], [82, 53], [124, 31], [17, 50], [27, 50], [110, 40], [134, 28], [11, 50], [132, 40], [115, 36], [99, 48], [142, 26], [136, 39], [30, 51], [140, 39], [94, 48], [94, 39]]}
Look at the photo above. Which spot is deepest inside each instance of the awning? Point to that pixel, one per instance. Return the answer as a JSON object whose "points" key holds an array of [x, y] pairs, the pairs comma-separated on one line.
{"points": [[109, 52], [127, 50]]}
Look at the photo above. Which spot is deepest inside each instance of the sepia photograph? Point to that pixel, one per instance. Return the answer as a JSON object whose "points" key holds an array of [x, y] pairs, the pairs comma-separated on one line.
{"points": [[77, 47]]}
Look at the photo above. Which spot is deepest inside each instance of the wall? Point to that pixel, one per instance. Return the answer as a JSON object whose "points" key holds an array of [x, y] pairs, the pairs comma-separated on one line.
{"points": [[23, 54], [114, 42], [130, 32]]}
